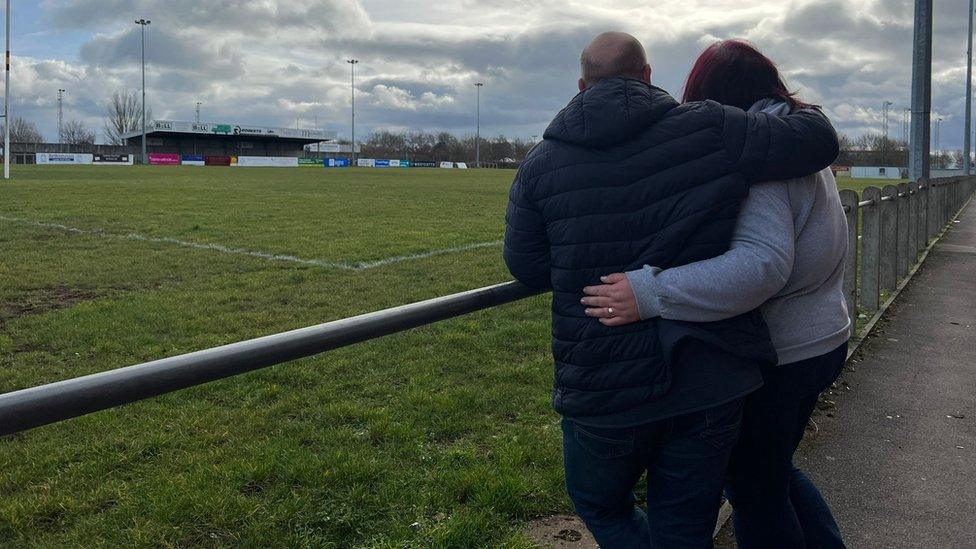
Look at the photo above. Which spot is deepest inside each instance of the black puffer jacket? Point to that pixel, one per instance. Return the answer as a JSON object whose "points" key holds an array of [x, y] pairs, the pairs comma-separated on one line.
{"points": [[627, 177]]}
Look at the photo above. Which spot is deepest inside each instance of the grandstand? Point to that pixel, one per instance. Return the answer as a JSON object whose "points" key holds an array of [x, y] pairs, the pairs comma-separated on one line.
{"points": [[225, 139]]}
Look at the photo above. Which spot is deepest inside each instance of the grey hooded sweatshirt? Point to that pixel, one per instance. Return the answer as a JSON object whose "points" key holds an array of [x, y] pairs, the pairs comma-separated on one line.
{"points": [[787, 257]]}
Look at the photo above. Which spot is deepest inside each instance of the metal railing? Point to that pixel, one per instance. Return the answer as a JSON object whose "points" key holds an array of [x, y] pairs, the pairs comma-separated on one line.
{"points": [[898, 224]]}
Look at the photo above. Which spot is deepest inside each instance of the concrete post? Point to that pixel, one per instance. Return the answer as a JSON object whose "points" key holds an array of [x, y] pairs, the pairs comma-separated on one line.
{"points": [[889, 238], [902, 261], [871, 250], [850, 199]]}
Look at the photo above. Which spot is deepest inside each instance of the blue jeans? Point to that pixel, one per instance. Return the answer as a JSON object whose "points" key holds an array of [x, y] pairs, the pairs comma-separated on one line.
{"points": [[776, 505], [685, 459]]}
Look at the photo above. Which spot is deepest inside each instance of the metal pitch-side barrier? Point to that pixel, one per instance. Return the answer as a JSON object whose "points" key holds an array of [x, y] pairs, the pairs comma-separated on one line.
{"points": [[898, 223]]}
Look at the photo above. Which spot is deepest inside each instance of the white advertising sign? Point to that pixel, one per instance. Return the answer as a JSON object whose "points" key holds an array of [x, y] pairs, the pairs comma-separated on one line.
{"points": [[366, 162], [193, 163], [394, 163], [447, 164], [268, 161], [462, 165], [63, 158]]}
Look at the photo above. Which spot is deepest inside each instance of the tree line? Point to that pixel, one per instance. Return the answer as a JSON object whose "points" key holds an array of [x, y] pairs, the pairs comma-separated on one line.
{"points": [[444, 146], [877, 150], [124, 115]]}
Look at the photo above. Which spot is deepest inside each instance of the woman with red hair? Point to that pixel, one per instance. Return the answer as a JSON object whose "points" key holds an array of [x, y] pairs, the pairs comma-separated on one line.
{"points": [[787, 258]]}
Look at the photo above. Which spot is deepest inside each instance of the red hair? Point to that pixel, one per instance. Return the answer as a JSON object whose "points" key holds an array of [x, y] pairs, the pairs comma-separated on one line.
{"points": [[734, 72]]}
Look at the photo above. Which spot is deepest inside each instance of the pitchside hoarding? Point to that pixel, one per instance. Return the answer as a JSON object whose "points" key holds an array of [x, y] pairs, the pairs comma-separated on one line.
{"points": [[267, 161], [113, 160], [423, 164], [193, 160], [365, 162], [164, 159], [336, 162], [309, 162], [217, 160], [447, 165], [63, 158]]}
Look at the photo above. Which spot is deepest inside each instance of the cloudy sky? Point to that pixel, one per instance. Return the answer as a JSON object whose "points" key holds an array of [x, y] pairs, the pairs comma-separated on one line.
{"points": [[282, 63]]}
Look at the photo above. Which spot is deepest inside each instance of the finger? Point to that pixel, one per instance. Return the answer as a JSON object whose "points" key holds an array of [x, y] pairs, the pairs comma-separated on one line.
{"points": [[598, 312], [613, 278], [597, 301], [597, 290]]}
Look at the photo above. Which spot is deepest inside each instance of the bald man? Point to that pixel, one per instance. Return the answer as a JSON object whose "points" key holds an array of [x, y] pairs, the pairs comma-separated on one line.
{"points": [[626, 177]]}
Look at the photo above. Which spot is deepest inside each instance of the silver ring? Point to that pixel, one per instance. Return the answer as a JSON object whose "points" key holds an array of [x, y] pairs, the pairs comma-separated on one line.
{"points": [[610, 312]]}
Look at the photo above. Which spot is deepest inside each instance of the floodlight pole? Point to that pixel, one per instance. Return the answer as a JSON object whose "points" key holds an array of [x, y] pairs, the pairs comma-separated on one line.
{"points": [[884, 129], [919, 161], [968, 144], [352, 144], [6, 105], [477, 133], [143, 23], [61, 120], [198, 111]]}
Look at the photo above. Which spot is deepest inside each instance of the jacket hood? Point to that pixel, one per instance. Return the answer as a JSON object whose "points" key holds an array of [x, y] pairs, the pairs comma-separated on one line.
{"points": [[610, 112]]}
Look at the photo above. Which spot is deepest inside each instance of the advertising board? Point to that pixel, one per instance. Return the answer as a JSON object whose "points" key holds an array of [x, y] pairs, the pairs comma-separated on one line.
{"points": [[193, 160], [63, 158], [113, 159], [336, 163], [365, 162], [381, 163], [404, 163], [462, 165], [164, 159], [423, 164], [309, 162], [268, 161], [447, 165], [216, 160]]}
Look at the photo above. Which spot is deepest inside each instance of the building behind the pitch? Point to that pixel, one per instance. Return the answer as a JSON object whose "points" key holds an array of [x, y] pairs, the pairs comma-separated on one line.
{"points": [[225, 139]]}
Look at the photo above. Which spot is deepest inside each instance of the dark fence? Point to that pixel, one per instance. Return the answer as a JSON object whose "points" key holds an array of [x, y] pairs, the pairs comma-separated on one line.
{"points": [[898, 224]]}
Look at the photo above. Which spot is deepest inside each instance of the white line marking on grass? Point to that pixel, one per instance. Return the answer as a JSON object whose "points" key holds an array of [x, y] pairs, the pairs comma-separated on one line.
{"points": [[362, 266], [424, 255]]}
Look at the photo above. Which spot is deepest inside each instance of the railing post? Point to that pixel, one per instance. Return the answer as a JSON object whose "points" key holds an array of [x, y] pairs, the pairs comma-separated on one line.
{"points": [[850, 199], [913, 245], [924, 194], [889, 238], [902, 261], [933, 211], [870, 287]]}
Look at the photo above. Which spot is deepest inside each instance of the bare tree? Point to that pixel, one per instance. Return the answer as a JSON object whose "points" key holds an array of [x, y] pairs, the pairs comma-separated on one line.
{"points": [[23, 131], [124, 116], [75, 133]]}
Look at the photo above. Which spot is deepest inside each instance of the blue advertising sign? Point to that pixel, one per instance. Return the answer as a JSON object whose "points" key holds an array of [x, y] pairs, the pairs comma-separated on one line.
{"points": [[336, 162], [382, 164]]}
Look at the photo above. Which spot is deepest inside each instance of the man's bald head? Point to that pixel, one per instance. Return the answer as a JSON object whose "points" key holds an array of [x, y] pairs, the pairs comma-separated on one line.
{"points": [[613, 54]]}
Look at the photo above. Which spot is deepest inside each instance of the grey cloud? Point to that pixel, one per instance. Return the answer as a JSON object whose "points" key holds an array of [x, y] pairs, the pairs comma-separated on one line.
{"points": [[273, 61]]}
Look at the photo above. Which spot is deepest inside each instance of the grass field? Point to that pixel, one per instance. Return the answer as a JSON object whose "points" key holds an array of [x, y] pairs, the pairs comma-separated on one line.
{"points": [[442, 436]]}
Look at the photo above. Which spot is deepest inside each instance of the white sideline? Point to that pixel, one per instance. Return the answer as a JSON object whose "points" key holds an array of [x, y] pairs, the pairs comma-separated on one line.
{"points": [[362, 266]]}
